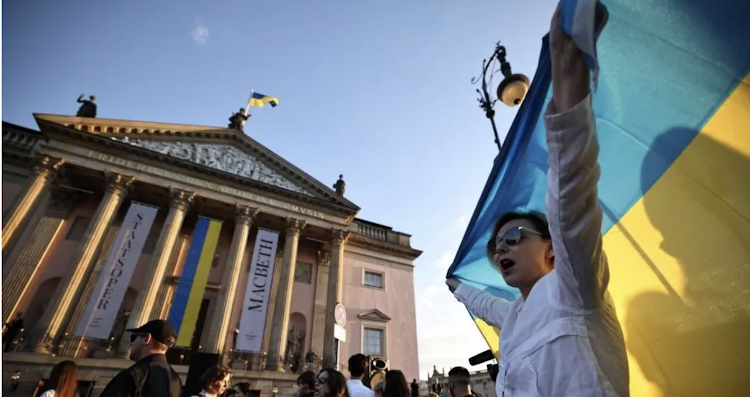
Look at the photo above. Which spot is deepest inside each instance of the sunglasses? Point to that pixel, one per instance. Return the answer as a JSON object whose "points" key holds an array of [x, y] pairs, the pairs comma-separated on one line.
{"points": [[511, 237]]}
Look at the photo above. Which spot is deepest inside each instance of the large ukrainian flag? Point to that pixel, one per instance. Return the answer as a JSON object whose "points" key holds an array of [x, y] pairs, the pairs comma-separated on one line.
{"points": [[188, 297], [673, 119]]}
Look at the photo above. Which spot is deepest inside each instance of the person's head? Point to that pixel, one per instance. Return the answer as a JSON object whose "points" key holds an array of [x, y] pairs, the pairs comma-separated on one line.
{"points": [[242, 110], [521, 249], [64, 379], [242, 389], [306, 383], [216, 379], [459, 381], [395, 384], [358, 366], [330, 383], [154, 337], [92, 98], [413, 381]]}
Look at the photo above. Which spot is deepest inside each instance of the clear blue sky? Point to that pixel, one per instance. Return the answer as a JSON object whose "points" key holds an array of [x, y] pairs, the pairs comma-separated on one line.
{"points": [[377, 90]]}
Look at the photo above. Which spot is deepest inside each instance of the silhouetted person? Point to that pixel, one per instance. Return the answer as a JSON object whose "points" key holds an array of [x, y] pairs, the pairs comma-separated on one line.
{"points": [[395, 384], [237, 121], [88, 107], [340, 186], [459, 382], [11, 332], [306, 384], [414, 388], [63, 381], [151, 375], [359, 365]]}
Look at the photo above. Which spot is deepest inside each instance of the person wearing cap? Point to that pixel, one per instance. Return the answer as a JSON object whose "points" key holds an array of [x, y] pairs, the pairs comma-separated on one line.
{"points": [[151, 375]]}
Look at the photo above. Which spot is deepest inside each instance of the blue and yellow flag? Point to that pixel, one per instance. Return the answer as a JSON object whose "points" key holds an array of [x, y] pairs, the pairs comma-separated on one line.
{"points": [[673, 120], [188, 297], [261, 100]]}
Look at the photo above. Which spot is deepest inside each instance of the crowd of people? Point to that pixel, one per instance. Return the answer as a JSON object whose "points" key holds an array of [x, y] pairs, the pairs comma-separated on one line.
{"points": [[153, 376]]}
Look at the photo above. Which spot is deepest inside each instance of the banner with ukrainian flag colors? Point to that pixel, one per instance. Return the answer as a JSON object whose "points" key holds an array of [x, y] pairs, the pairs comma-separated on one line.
{"points": [[188, 297], [673, 120]]}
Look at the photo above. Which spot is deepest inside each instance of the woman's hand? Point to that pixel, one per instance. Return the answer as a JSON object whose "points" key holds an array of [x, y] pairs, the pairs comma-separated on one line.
{"points": [[570, 74], [453, 283]]}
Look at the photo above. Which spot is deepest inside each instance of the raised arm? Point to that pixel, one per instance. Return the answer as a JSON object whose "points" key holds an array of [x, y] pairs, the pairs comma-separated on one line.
{"points": [[489, 308], [573, 211]]}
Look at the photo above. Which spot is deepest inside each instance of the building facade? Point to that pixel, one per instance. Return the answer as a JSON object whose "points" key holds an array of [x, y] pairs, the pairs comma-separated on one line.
{"points": [[70, 187]]}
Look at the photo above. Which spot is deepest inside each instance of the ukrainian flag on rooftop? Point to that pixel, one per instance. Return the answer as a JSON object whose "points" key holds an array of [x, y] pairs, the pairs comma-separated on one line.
{"points": [[260, 100], [673, 120]]}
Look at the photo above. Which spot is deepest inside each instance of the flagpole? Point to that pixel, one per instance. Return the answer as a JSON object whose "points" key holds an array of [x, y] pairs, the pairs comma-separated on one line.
{"points": [[247, 107]]}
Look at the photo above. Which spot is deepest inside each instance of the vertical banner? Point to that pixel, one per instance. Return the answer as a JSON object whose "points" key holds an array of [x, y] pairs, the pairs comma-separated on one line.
{"points": [[105, 301], [188, 297], [255, 305]]}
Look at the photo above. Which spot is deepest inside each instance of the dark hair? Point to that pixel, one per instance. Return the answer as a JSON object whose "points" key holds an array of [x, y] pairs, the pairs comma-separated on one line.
{"points": [[396, 385], [244, 387], [307, 378], [358, 365], [213, 374], [64, 379], [538, 219], [336, 383], [460, 375]]}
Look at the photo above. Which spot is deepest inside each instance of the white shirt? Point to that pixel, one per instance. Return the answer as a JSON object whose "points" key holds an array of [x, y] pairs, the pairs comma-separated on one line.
{"points": [[357, 389], [565, 339]]}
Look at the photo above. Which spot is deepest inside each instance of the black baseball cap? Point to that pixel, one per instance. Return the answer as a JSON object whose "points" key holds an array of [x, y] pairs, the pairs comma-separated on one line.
{"points": [[160, 330]]}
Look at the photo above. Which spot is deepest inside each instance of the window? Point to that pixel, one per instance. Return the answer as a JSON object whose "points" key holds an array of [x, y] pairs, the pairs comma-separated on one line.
{"points": [[373, 341], [373, 279], [303, 273], [78, 228]]}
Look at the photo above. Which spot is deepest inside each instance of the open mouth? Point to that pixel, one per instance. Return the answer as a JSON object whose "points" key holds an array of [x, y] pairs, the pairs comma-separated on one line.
{"points": [[506, 264]]}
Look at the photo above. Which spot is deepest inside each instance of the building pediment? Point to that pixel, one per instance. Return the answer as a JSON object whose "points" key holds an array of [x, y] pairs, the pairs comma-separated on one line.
{"points": [[222, 149], [222, 157], [374, 315]]}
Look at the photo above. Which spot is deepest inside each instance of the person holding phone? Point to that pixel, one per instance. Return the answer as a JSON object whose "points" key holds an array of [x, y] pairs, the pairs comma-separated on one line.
{"points": [[562, 337]]}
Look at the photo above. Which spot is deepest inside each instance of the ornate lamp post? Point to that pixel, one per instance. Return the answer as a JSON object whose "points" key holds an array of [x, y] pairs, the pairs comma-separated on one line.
{"points": [[511, 90]]}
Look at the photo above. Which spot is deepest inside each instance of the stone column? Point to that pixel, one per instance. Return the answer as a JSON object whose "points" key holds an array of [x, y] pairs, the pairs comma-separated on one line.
{"points": [[335, 292], [280, 323], [72, 345], [44, 171], [217, 336], [321, 301], [271, 310], [164, 297], [68, 292], [178, 207], [35, 251]]}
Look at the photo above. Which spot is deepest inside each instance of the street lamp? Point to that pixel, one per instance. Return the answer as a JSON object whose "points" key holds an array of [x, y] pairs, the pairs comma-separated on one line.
{"points": [[511, 90]]}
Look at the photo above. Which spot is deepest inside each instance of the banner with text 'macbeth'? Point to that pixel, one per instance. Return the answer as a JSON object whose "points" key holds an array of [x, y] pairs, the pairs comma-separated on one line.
{"points": [[255, 305], [104, 303]]}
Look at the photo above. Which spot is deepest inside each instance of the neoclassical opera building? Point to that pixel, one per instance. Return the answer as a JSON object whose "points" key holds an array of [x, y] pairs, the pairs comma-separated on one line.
{"points": [[110, 223]]}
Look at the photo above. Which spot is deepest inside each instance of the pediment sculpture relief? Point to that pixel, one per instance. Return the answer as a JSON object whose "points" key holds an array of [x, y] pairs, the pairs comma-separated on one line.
{"points": [[220, 157]]}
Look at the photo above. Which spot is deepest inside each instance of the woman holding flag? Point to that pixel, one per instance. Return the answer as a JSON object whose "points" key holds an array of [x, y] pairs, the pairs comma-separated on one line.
{"points": [[562, 337]]}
